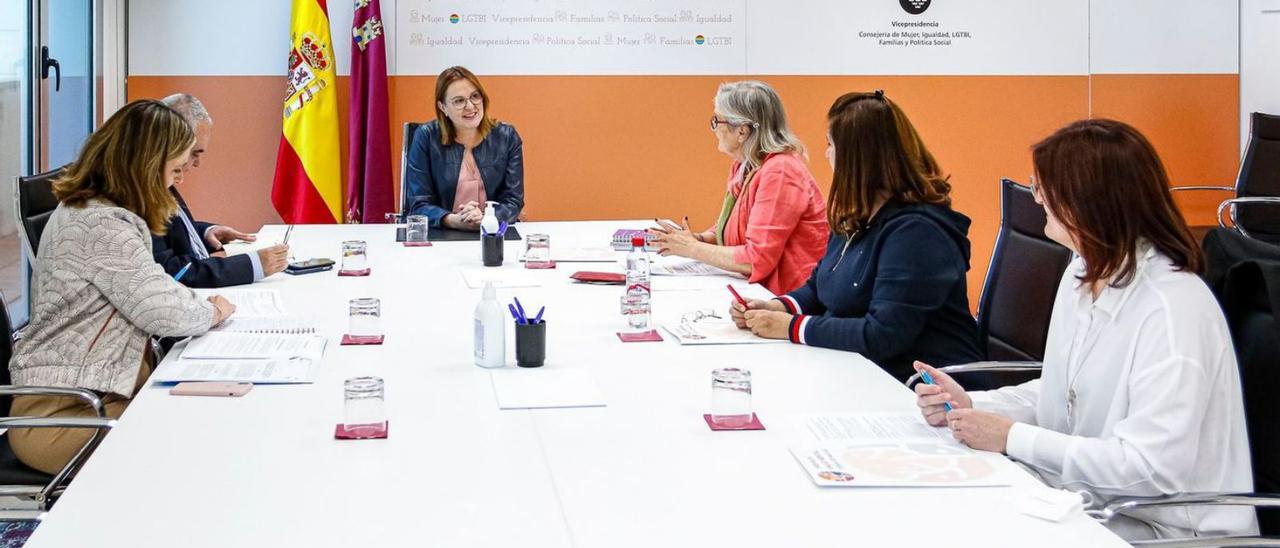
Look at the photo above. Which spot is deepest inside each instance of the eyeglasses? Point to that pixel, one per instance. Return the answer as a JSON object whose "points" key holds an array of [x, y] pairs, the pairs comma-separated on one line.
{"points": [[458, 103], [1035, 187], [715, 123], [699, 315]]}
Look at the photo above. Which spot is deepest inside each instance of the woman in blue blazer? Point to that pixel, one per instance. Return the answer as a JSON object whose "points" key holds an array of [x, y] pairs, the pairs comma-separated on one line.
{"points": [[464, 158]]}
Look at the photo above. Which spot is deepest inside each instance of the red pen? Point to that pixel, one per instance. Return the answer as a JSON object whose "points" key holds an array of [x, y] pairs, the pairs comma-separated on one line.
{"points": [[741, 301]]}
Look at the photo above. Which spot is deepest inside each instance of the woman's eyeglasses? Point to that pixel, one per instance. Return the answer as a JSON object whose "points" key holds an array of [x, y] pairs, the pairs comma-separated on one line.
{"points": [[458, 103], [715, 123]]}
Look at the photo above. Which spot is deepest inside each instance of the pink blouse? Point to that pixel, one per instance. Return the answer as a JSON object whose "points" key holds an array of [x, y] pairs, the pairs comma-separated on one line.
{"points": [[779, 223], [470, 186]]}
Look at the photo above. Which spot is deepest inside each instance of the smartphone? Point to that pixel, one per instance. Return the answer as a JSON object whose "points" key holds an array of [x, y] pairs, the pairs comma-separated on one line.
{"points": [[220, 389], [308, 266]]}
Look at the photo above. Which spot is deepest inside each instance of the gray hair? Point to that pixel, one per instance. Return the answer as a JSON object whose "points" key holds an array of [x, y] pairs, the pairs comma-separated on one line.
{"points": [[753, 103], [191, 109]]}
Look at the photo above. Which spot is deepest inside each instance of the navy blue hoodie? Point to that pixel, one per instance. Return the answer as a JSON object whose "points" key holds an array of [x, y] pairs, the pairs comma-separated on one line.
{"points": [[895, 294]]}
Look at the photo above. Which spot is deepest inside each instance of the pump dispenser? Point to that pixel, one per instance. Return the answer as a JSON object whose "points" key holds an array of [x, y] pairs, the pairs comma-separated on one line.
{"points": [[490, 221], [490, 341]]}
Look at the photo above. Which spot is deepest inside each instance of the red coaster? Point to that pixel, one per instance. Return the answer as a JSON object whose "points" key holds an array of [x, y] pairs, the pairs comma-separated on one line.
{"points": [[357, 340], [753, 424], [643, 336], [364, 272], [417, 244], [362, 431], [540, 266]]}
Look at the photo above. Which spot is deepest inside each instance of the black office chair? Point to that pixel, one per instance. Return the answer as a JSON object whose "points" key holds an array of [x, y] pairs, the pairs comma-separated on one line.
{"points": [[35, 204], [410, 129], [1253, 210], [1017, 296], [17, 479]]}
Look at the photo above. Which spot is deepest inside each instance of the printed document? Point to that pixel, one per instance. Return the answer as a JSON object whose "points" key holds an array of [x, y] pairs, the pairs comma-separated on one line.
{"points": [[239, 346], [893, 450], [271, 371], [250, 302]]}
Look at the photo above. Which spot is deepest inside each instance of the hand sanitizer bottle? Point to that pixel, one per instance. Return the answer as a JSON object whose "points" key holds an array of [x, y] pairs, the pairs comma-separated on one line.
{"points": [[490, 221], [491, 330]]}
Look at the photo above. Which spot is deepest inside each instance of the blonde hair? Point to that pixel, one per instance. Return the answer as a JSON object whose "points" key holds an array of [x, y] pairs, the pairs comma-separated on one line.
{"points": [[123, 161], [753, 103]]}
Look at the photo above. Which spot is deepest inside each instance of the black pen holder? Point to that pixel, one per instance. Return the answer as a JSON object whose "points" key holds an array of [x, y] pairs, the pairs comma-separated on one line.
{"points": [[531, 344], [491, 246]]}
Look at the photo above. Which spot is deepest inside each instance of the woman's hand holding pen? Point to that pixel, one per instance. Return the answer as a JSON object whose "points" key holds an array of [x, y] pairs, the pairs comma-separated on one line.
{"points": [[932, 398], [739, 312]]}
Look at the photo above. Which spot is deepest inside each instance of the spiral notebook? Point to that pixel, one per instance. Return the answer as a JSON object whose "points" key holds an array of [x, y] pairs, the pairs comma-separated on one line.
{"points": [[268, 325]]}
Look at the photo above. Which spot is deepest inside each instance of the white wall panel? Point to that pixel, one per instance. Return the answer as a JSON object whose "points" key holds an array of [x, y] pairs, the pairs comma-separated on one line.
{"points": [[1259, 60], [1164, 36]]}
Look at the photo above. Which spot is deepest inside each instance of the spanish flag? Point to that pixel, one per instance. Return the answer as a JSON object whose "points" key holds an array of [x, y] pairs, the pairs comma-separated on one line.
{"points": [[308, 181]]}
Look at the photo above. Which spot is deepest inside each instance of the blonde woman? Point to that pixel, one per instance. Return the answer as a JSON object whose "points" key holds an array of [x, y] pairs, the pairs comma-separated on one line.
{"points": [[773, 222], [98, 296]]}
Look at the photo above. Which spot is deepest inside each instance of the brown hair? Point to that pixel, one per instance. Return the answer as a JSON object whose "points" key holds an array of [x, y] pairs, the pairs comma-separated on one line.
{"points": [[448, 135], [1104, 181], [123, 161], [877, 152]]}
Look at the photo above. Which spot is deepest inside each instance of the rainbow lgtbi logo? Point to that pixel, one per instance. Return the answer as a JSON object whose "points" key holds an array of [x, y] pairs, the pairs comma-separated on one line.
{"points": [[454, 18], [700, 39]]}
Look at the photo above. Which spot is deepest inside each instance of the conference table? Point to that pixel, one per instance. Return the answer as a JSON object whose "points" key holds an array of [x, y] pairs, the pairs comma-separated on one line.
{"points": [[644, 470]]}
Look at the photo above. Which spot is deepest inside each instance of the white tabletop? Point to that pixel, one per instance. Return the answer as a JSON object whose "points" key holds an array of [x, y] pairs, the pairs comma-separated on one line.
{"points": [[264, 470]]}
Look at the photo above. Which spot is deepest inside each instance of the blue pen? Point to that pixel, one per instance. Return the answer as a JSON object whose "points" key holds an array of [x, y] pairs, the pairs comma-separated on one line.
{"points": [[514, 314], [924, 375], [523, 317], [538, 319], [182, 272], [502, 228]]}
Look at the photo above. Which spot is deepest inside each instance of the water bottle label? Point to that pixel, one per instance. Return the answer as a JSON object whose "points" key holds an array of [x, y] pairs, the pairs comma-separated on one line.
{"points": [[479, 352]]}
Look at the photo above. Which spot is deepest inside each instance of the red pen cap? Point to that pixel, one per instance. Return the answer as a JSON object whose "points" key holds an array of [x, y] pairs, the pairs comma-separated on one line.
{"points": [[637, 240]]}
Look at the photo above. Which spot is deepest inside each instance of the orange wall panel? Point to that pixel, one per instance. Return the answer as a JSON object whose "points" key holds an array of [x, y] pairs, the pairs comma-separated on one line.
{"points": [[602, 147], [1193, 120]]}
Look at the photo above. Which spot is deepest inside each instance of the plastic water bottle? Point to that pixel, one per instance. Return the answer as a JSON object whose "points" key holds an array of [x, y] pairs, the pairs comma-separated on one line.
{"points": [[490, 342], [638, 290]]}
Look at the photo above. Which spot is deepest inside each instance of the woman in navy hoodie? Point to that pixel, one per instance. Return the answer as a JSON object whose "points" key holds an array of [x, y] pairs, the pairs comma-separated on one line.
{"points": [[892, 283]]}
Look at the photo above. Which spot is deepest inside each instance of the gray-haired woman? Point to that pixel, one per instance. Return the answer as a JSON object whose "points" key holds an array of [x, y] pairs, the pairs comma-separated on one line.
{"points": [[773, 226]]}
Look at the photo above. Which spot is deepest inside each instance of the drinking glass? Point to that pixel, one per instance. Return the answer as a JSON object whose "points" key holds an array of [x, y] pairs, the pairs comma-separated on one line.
{"points": [[537, 251], [354, 257], [366, 317], [363, 409], [417, 229], [731, 397]]}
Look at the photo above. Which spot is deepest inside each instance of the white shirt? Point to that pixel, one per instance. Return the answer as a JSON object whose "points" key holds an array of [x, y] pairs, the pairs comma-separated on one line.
{"points": [[1157, 410]]}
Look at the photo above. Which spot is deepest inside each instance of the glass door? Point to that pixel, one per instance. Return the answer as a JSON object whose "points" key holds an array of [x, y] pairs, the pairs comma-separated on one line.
{"points": [[48, 100], [64, 56], [15, 147]]}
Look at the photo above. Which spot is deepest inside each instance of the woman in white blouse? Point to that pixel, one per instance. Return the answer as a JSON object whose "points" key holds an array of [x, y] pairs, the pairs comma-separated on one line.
{"points": [[1140, 394]]}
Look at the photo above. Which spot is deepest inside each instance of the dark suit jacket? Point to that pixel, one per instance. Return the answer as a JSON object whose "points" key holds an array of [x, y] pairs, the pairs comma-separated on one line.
{"points": [[173, 251], [433, 172]]}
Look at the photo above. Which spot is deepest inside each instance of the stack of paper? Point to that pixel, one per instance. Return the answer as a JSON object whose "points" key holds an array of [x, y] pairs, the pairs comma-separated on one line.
{"points": [[893, 450], [245, 357]]}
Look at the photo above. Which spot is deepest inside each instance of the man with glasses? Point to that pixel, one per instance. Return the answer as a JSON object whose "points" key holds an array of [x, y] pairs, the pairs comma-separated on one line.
{"points": [[199, 244]]}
